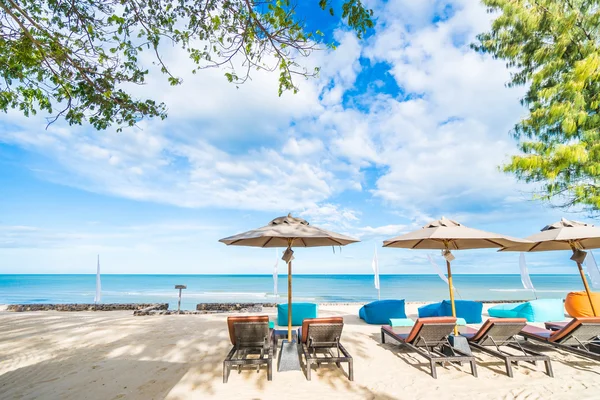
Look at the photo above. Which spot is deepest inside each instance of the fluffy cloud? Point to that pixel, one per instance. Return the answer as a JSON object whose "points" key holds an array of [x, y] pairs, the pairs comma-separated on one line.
{"points": [[433, 146], [330, 215]]}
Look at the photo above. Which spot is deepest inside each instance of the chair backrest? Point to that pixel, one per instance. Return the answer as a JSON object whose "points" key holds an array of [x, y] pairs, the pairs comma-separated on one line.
{"points": [[431, 331], [311, 326], [579, 330], [501, 330], [231, 321], [251, 334]]}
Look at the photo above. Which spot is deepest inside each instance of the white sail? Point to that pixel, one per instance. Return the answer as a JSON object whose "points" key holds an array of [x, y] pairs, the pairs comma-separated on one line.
{"points": [[437, 269], [275, 275], [98, 296], [592, 270], [525, 279], [441, 274], [375, 266]]}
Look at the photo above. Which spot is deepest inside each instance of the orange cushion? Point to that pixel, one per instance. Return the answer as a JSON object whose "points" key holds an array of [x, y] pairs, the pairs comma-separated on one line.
{"points": [[577, 304], [312, 321], [414, 332], [570, 327]]}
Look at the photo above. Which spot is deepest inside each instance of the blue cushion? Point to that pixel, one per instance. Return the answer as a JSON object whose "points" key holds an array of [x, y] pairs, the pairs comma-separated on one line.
{"points": [[430, 310], [300, 311], [541, 310], [470, 311], [401, 322], [505, 311], [380, 312], [467, 309]]}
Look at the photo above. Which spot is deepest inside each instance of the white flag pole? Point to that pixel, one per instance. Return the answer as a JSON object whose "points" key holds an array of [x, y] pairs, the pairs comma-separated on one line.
{"points": [[98, 296], [275, 274], [592, 270], [441, 274], [525, 278], [375, 266]]}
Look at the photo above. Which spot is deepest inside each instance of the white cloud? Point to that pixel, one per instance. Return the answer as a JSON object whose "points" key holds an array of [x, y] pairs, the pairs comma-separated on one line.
{"points": [[330, 215], [385, 231], [302, 147], [102, 236], [436, 146]]}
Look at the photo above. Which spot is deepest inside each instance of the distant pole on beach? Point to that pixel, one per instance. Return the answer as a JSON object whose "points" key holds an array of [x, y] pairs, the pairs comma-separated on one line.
{"points": [[275, 273], [375, 266], [180, 287], [98, 296]]}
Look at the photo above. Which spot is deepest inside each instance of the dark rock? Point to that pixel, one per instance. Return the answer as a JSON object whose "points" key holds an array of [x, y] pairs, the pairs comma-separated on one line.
{"points": [[85, 307]]}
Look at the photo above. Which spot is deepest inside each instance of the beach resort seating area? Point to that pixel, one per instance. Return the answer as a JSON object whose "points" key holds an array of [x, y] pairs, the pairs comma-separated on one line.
{"points": [[440, 339], [114, 354]]}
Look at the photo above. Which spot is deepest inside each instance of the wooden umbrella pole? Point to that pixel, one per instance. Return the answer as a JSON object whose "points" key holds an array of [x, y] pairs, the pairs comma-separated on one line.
{"points": [[290, 301], [587, 288], [451, 295], [575, 247]]}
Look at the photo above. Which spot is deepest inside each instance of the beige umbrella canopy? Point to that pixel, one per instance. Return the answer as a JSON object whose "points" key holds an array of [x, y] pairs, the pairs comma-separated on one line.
{"points": [[565, 235], [285, 230], [288, 232], [448, 235]]}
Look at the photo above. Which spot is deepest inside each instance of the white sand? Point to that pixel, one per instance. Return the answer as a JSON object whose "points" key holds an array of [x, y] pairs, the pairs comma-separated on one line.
{"points": [[113, 355]]}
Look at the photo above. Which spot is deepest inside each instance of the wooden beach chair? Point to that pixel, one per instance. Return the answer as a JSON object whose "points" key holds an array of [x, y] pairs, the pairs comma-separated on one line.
{"points": [[429, 338], [250, 336], [581, 336], [320, 338], [496, 337]]}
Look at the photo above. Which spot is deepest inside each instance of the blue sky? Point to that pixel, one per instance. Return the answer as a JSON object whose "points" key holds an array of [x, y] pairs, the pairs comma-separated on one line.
{"points": [[399, 129]]}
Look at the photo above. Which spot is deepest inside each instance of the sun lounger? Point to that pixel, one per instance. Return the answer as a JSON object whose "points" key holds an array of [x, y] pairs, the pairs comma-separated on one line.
{"points": [[580, 336], [250, 336], [499, 333], [429, 338], [319, 337]]}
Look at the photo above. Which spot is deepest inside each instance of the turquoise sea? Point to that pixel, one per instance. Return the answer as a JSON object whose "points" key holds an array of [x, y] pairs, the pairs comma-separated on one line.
{"points": [[259, 288]]}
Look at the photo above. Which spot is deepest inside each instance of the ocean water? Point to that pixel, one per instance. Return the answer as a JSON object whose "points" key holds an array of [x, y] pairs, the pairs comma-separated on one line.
{"points": [[259, 288]]}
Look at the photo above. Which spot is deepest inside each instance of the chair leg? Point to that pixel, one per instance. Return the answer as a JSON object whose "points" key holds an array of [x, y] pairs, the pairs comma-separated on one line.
{"points": [[225, 372], [433, 366], [270, 370], [549, 369], [509, 371], [474, 368], [382, 337], [307, 369], [350, 370]]}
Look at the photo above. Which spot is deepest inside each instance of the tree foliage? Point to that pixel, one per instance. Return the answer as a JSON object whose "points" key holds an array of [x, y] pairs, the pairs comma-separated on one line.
{"points": [[554, 47], [75, 59]]}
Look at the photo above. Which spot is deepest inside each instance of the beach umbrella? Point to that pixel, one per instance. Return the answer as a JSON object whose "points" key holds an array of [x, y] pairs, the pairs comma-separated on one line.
{"points": [[447, 235], [288, 232], [565, 235]]}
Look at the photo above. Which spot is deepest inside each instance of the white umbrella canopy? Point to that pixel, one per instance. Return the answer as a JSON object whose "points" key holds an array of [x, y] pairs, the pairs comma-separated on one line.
{"points": [[289, 232], [565, 235], [282, 230], [447, 235], [561, 235]]}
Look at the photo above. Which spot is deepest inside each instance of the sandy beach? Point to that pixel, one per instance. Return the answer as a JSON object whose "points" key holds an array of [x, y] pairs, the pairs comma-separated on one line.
{"points": [[114, 355]]}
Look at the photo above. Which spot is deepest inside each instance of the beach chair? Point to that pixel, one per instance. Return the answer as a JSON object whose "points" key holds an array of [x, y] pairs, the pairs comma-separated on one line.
{"points": [[250, 336], [580, 336], [320, 338], [429, 338], [499, 333]]}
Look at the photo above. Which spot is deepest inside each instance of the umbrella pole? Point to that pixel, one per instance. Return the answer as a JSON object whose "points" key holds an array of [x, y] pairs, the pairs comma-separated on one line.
{"points": [[290, 301], [587, 288], [451, 295]]}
